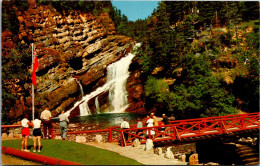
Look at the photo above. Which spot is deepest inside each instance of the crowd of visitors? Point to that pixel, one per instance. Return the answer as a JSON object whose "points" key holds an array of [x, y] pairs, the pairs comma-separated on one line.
{"points": [[150, 121], [46, 122]]}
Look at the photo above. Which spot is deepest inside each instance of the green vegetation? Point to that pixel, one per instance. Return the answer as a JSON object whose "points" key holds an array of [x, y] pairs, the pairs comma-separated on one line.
{"points": [[203, 47], [75, 152], [15, 69]]}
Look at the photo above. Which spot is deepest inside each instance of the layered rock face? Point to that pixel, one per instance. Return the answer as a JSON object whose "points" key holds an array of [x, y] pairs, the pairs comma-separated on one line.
{"points": [[71, 46]]}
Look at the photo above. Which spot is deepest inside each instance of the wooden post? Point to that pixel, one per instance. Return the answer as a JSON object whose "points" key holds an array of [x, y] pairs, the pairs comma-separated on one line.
{"points": [[110, 135]]}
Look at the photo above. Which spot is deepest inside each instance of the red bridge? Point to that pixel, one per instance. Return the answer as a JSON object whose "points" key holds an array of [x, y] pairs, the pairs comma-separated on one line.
{"points": [[180, 129], [193, 127]]}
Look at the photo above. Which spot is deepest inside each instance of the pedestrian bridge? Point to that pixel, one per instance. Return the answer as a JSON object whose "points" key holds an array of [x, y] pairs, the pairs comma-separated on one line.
{"points": [[188, 128]]}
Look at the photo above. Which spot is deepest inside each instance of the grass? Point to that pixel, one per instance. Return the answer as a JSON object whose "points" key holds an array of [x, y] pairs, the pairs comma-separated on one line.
{"points": [[75, 152]]}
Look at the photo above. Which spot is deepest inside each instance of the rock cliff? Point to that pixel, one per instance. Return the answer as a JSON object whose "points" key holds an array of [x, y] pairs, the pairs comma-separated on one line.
{"points": [[73, 48]]}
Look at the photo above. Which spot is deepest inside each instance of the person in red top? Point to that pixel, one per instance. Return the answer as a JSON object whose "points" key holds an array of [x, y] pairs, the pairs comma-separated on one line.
{"points": [[25, 132]]}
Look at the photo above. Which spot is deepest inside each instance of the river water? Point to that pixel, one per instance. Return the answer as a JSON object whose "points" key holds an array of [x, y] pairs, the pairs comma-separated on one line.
{"points": [[106, 120]]}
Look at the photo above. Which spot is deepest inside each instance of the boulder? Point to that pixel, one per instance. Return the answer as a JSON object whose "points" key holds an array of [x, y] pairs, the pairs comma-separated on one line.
{"points": [[81, 139], [149, 145], [11, 135], [98, 138], [212, 163], [158, 151], [4, 136], [193, 159], [136, 143], [183, 158], [142, 147], [169, 154], [57, 137], [17, 135]]}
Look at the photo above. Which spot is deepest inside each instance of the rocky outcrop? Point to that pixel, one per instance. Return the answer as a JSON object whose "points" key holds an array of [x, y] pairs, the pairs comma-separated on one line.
{"points": [[70, 45]]}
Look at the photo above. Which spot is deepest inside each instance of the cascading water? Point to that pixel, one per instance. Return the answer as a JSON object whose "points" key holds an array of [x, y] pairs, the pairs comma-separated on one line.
{"points": [[80, 86], [117, 74], [97, 105]]}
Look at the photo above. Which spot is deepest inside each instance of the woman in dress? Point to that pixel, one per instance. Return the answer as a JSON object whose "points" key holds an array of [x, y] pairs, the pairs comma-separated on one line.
{"points": [[150, 124]]}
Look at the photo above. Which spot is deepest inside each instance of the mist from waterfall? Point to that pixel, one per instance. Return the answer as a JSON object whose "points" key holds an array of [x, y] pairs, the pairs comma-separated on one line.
{"points": [[117, 74]]}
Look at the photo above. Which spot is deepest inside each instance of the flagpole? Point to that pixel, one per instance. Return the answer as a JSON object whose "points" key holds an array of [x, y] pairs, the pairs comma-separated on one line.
{"points": [[32, 87]]}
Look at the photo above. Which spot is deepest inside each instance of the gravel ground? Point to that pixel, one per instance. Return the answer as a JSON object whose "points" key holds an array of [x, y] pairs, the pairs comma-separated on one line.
{"points": [[11, 160]]}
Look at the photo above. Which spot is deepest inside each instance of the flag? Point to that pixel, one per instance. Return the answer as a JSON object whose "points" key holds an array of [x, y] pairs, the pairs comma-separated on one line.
{"points": [[35, 66]]}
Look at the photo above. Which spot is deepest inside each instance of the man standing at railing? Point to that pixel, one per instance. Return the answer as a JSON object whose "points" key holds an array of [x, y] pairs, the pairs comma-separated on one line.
{"points": [[166, 122], [125, 125], [139, 125], [63, 124], [47, 123]]}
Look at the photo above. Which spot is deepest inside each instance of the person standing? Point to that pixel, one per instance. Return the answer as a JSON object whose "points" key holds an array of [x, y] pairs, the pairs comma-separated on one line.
{"points": [[47, 123], [63, 124], [155, 123], [125, 125], [166, 122], [25, 132], [150, 124], [139, 125], [37, 134]]}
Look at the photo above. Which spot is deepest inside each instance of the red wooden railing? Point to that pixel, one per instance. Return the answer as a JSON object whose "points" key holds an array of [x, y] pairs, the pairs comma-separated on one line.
{"points": [[195, 127], [179, 129]]}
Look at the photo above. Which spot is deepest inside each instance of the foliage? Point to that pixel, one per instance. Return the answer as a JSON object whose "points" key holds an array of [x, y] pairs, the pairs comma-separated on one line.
{"points": [[196, 94], [75, 152], [14, 66]]}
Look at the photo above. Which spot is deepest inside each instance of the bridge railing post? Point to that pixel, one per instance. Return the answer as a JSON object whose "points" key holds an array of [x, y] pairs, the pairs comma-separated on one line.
{"points": [[110, 135], [199, 127], [243, 122], [52, 134], [122, 139], [149, 133]]}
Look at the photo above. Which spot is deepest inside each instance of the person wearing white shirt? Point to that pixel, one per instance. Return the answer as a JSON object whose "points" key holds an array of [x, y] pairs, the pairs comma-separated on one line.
{"points": [[63, 124], [25, 132], [150, 124], [37, 134], [47, 123], [125, 125]]}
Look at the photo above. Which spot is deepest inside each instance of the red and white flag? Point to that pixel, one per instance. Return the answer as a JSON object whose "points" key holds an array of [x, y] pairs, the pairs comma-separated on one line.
{"points": [[35, 66]]}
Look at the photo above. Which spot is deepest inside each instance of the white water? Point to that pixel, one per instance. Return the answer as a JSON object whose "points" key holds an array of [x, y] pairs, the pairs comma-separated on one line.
{"points": [[97, 105], [117, 74], [81, 89]]}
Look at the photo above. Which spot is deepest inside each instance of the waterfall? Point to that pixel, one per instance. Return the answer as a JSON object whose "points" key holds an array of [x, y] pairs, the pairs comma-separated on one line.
{"points": [[80, 86], [117, 74], [97, 105]]}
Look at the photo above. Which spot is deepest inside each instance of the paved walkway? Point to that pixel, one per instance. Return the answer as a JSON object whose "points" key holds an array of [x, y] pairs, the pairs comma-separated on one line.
{"points": [[144, 157]]}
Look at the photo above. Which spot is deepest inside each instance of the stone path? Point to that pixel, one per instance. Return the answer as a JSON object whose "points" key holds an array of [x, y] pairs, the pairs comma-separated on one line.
{"points": [[144, 157]]}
